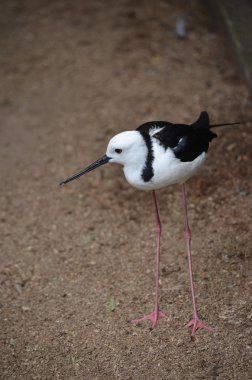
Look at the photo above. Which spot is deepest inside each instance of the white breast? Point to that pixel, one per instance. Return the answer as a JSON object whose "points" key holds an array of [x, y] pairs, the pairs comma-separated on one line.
{"points": [[168, 170]]}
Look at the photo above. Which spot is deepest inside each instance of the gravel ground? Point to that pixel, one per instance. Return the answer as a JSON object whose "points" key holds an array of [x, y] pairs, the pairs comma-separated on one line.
{"points": [[72, 75]]}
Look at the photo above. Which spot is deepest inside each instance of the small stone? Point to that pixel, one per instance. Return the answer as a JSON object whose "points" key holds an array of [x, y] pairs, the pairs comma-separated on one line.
{"points": [[25, 308], [179, 342], [18, 288], [231, 146], [180, 28]]}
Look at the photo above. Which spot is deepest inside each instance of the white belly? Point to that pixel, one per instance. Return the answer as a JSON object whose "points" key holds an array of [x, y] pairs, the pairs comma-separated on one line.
{"points": [[168, 170]]}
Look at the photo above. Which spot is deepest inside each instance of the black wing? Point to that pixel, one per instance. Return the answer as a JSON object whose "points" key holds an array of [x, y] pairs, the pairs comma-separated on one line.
{"points": [[196, 141], [170, 134], [186, 141]]}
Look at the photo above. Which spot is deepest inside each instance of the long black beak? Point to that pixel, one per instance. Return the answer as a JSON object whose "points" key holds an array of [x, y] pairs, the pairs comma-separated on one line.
{"points": [[103, 160]]}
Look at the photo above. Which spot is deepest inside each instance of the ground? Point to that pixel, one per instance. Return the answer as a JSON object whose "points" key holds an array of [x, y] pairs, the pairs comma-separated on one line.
{"points": [[78, 262]]}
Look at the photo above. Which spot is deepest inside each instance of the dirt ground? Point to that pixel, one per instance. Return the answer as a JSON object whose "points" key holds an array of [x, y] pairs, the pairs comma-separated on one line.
{"points": [[72, 75]]}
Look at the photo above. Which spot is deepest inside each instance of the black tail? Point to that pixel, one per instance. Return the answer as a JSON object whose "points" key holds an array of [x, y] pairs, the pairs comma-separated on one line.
{"points": [[203, 122], [225, 124]]}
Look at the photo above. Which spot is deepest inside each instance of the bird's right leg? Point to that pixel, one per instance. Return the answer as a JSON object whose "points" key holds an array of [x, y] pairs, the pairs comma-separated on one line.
{"points": [[195, 323], [156, 313]]}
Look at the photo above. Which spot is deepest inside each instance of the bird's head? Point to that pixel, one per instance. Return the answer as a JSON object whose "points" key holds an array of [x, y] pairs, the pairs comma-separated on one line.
{"points": [[126, 148]]}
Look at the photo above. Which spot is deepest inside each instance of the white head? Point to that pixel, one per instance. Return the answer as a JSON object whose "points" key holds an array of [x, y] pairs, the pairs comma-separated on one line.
{"points": [[127, 148]]}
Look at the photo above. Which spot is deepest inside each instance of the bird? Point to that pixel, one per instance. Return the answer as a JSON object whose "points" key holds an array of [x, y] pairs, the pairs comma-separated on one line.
{"points": [[156, 155]]}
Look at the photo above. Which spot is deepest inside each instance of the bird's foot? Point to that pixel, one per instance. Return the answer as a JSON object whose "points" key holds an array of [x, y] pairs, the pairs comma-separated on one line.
{"points": [[196, 324], [153, 317]]}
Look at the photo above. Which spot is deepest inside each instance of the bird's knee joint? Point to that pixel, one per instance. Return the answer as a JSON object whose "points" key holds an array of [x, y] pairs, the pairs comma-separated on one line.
{"points": [[188, 234]]}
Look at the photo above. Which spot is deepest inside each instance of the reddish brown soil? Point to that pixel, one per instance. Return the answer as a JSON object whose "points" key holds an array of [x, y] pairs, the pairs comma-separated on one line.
{"points": [[72, 75]]}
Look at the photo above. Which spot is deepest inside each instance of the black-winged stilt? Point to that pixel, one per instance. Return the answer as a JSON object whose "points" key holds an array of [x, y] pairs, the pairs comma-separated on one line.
{"points": [[155, 155]]}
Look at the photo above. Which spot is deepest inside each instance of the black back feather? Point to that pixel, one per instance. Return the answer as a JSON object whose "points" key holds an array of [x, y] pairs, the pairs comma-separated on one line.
{"points": [[186, 141], [196, 140]]}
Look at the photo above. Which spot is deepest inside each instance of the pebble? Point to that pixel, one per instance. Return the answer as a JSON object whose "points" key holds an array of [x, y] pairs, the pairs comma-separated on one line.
{"points": [[180, 28]]}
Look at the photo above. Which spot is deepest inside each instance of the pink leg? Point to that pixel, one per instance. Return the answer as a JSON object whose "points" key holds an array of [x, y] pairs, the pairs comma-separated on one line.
{"points": [[195, 323], [156, 313]]}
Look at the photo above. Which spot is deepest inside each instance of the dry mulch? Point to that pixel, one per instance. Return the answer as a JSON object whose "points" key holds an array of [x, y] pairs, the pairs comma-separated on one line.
{"points": [[72, 75]]}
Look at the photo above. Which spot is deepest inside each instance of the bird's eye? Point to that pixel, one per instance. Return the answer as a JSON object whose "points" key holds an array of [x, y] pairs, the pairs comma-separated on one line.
{"points": [[118, 151]]}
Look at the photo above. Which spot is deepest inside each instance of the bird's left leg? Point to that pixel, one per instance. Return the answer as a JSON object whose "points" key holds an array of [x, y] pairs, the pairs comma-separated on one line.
{"points": [[195, 323], [156, 313]]}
